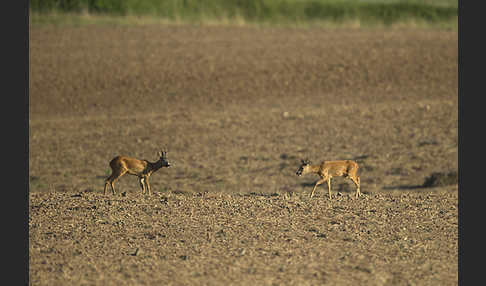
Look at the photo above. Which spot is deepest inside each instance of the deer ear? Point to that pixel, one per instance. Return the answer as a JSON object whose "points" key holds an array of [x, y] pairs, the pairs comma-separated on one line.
{"points": [[159, 154]]}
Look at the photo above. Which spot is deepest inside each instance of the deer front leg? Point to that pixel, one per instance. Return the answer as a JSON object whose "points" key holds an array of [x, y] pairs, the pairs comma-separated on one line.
{"points": [[140, 179], [315, 186], [148, 185], [358, 186]]}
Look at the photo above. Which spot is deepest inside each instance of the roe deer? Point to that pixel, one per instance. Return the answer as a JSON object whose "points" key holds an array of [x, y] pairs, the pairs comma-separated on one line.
{"points": [[140, 168], [328, 169]]}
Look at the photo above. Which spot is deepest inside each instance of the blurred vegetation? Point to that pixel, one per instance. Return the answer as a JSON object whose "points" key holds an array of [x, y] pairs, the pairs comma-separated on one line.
{"points": [[267, 11]]}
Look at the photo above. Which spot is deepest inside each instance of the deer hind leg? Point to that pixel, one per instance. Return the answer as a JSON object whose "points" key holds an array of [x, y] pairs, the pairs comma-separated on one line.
{"points": [[353, 175], [111, 180], [107, 182], [356, 181]]}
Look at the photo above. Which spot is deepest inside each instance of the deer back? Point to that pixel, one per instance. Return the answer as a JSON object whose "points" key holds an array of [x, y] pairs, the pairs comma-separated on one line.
{"points": [[130, 164], [338, 168]]}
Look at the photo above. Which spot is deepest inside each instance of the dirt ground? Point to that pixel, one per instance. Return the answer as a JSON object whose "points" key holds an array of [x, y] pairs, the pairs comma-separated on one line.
{"points": [[238, 108]]}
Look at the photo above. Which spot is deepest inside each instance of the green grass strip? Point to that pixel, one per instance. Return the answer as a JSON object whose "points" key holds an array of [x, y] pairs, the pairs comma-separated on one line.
{"points": [[260, 11]]}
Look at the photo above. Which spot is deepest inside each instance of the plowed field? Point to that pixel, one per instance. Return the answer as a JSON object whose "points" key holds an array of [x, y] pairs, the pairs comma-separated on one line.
{"points": [[238, 108]]}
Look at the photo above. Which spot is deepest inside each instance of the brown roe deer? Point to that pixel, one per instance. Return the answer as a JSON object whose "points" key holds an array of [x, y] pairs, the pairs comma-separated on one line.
{"points": [[120, 165], [329, 169]]}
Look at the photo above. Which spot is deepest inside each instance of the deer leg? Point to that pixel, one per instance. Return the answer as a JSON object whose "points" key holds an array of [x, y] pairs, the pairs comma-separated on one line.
{"points": [[315, 186], [115, 176], [358, 186], [148, 185], [107, 182], [356, 182], [329, 186], [112, 188], [140, 179]]}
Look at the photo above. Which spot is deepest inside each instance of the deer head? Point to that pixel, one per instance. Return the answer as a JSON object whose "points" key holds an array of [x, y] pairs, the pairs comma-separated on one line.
{"points": [[163, 158], [304, 167]]}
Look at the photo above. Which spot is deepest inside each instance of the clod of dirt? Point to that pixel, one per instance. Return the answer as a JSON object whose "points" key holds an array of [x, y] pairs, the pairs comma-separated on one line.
{"points": [[441, 179], [136, 252]]}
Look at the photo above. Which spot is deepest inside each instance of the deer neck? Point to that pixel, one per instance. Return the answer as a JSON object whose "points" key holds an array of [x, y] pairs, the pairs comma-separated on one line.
{"points": [[152, 167], [316, 169]]}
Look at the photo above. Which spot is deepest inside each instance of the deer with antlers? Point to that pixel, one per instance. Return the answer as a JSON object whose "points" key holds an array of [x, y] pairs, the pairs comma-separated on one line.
{"points": [[120, 165], [329, 169]]}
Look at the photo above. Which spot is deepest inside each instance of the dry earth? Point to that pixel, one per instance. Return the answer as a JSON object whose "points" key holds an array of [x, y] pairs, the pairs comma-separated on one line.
{"points": [[238, 107]]}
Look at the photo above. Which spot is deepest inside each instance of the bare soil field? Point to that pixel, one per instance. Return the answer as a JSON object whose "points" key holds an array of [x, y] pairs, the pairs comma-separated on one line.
{"points": [[238, 108]]}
